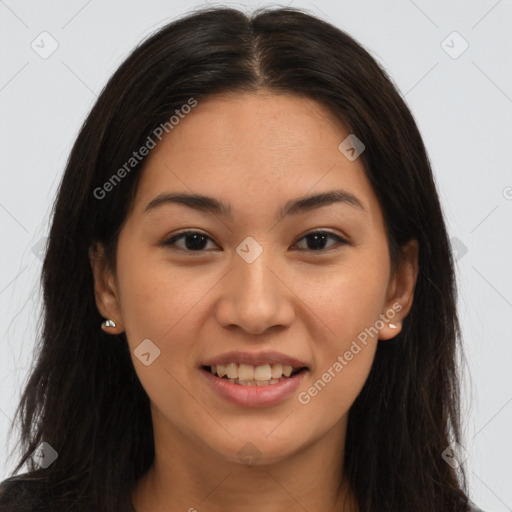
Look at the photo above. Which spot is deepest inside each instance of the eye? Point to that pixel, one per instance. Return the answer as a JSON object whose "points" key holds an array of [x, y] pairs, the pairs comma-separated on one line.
{"points": [[195, 241], [318, 239]]}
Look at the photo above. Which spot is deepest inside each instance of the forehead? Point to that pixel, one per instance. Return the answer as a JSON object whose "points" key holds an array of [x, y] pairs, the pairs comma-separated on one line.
{"points": [[254, 149]]}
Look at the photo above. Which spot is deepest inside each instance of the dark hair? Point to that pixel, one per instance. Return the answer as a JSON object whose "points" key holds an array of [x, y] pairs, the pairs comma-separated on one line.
{"points": [[83, 396]]}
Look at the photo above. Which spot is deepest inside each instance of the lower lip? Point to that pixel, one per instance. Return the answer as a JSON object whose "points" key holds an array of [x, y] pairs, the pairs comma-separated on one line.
{"points": [[254, 396]]}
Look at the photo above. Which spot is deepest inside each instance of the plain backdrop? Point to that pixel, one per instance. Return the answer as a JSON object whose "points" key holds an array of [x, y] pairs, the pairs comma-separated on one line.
{"points": [[451, 61]]}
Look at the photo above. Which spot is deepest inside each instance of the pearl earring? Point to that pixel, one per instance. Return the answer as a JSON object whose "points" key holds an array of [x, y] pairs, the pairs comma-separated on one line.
{"points": [[108, 323]]}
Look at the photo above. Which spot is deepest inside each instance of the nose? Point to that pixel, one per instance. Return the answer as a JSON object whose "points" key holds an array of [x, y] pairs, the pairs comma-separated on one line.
{"points": [[255, 296]]}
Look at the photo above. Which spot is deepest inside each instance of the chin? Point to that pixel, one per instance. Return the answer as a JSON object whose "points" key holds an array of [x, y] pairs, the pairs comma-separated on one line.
{"points": [[259, 449]]}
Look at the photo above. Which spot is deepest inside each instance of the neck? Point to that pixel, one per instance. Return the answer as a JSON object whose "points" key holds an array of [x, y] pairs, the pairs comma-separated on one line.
{"points": [[192, 477]]}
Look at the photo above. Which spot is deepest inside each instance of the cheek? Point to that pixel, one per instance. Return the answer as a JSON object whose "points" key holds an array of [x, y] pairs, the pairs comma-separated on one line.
{"points": [[344, 362], [332, 390], [344, 355], [348, 298], [158, 305], [166, 305], [155, 297]]}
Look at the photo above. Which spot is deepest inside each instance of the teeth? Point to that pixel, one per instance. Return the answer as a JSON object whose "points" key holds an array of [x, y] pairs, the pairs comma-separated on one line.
{"points": [[276, 371], [231, 371], [246, 372], [249, 375], [287, 370], [263, 372], [221, 370], [253, 382]]}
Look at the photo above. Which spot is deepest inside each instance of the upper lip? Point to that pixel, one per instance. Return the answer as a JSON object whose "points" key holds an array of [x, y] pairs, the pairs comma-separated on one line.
{"points": [[255, 359]]}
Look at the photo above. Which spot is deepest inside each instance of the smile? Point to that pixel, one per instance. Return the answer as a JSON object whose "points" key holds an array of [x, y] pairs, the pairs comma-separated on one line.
{"points": [[250, 375], [253, 392]]}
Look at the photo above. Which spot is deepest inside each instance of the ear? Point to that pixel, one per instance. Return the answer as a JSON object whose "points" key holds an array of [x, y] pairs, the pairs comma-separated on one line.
{"points": [[105, 292], [400, 294]]}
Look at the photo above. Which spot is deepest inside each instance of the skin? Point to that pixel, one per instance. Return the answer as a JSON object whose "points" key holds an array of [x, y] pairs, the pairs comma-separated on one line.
{"points": [[254, 151]]}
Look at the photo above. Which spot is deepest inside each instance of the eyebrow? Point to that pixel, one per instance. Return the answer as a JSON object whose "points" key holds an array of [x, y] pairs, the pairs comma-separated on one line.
{"points": [[292, 207]]}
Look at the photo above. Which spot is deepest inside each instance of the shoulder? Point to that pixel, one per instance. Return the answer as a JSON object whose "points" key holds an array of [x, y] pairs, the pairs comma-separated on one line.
{"points": [[29, 492], [22, 493]]}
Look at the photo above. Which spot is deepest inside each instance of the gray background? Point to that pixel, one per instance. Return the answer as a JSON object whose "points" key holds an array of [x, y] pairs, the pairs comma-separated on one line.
{"points": [[461, 100]]}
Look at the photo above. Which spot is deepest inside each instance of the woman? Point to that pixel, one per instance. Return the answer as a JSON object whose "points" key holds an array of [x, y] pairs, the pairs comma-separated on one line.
{"points": [[242, 360]]}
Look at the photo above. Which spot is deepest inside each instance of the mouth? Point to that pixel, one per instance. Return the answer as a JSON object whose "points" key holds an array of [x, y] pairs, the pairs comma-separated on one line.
{"points": [[250, 375], [246, 385]]}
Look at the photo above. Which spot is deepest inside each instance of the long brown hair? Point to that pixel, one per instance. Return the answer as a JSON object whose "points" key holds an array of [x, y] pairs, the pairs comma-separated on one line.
{"points": [[83, 396]]}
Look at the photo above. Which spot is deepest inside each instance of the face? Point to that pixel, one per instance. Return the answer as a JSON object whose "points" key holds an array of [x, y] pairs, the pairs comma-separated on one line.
{"points": [[250, 280]]}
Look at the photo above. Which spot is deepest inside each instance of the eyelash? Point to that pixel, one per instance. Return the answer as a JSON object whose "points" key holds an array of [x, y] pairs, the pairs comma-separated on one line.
{"points": [[172, 241]]}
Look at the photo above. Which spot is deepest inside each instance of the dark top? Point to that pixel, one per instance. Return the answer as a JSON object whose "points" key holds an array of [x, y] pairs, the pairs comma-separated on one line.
{"points": [[22, 494]]}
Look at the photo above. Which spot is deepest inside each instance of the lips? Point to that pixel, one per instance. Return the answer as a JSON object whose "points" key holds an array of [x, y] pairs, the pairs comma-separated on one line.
{"points": [[259, 390], [255, 359], [250, 395]]}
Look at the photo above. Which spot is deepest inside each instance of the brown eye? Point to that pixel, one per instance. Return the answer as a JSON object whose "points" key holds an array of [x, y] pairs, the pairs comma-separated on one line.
{"points": [[194, 241], [319, 238]]}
